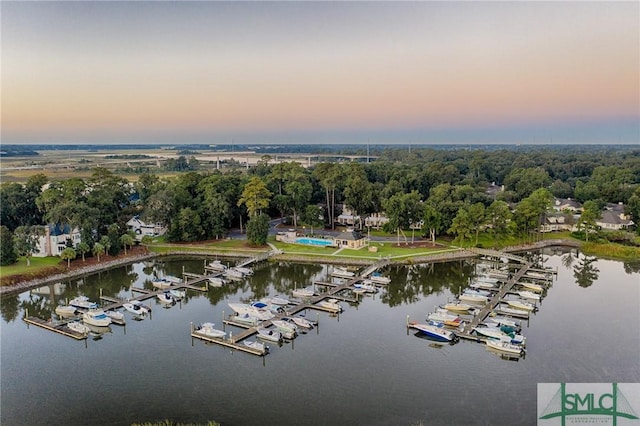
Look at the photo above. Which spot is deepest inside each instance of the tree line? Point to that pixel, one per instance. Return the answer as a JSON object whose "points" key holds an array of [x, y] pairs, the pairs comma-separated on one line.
{"points": [[442, 190]]}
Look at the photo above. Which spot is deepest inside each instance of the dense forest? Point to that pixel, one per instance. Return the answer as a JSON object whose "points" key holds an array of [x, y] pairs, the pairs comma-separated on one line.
{"points": [[445, 190]]}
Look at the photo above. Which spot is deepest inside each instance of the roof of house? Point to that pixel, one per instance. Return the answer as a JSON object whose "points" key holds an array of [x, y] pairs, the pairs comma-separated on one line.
{"points": [[350, 235], [611, 217], [567, 202], [55, 230]]}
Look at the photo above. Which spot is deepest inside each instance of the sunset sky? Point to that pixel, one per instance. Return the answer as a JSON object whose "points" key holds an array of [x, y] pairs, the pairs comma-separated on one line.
{"points": [[320, 72]]}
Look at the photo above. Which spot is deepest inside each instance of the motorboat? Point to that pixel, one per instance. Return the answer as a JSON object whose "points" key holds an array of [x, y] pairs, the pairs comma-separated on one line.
{"points": [[276, 300], [216, 265], [259, 346], [269, 334], [96, 317], [473, 298], [135, 308], [506, 310], [244, 271], [83, 302], [458, 307], [300, 322], [161, 283], [303, 292], [285, 326], [65, 311], [178, 294], [478, 292], [529, 295], [531, 286], [216, 281], [253, 311], [378, 278], [331, 305], [368, 287], [342, 273], [435, 331], [494, 333], [78, 327], [166, 298], [519, 304], [117, 317], [206, 329], [267, 306], [483, 285], [536, 275], [506, 347], [172, 279], [442, 315], [504, 321], [233, 274]]}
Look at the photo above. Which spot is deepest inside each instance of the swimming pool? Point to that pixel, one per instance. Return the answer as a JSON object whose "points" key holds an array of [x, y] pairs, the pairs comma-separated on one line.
{"points": [[314, 241]]}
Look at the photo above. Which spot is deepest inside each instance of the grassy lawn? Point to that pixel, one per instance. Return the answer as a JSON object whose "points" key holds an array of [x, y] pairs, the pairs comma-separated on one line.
{"points": [[21, 267], [213, 247]]}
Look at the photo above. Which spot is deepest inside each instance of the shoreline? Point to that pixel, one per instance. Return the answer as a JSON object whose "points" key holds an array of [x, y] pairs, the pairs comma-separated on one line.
{"points": [[462, 253]]}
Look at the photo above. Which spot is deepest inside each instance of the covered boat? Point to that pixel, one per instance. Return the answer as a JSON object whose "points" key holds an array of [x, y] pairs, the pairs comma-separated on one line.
{"points": [[96, 317], [117, 317], [473, 298], [331, 305], [78, 327], [342, 273], [525, 294], [83, 302], [65, 311], [518, 304], [216, 265], [378, 278], [303, 292], [506, 347], [531, 286], [216, 281], [207, 329], [178, 294], [259, 346]]}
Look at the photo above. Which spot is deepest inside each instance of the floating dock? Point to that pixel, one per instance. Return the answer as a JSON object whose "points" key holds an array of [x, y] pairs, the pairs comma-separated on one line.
{"points": [[56, 327]]}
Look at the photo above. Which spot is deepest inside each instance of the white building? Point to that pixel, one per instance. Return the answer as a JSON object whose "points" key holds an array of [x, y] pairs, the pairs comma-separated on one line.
{"points": [[141, 229]]}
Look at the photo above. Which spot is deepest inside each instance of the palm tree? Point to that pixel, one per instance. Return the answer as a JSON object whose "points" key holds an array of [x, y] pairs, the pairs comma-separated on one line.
{"points": [[126, 240], [68, 254], [98, 249]]}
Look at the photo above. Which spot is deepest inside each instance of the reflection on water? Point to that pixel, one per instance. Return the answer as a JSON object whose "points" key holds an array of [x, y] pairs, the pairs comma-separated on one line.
{"points": [[366, 350]]}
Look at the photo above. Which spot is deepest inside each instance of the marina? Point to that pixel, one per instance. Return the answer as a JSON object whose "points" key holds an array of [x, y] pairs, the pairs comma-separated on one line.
{"points": [[369, 336]]}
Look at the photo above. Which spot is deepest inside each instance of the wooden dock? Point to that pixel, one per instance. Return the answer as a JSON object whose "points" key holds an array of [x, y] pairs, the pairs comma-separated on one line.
{"points": [[56, 327], [466, 332]]}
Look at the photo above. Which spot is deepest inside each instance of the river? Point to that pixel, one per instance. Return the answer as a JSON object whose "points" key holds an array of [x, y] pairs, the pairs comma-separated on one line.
{"points": [[361, 367]]}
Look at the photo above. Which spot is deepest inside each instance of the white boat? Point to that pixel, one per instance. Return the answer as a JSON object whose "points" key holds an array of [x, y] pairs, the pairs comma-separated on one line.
{"points": [[172, 279], [243, 308], [161, 283], [246, 319], [529, 295], [536, 275], [265, 306], [276, 300], [506, 347], [259, 346], [494, 333], [233, 274], [478, 292], [285, 326], [243, 270], [331, 305], [473, 298], [117, 317], [378, 278], [483, 285], [96, 317], [518, 304], [300, 322], [435, 331], [442, 315], [135, 308], [207, 329], [457, 307], [531, 286], [269, 334], [165, 298], [178, 294], [503, 321], [506, 310], [368, 287], [83, 302], [65, 311], [216, 265], [303, 292], [78, 327], [342, 273], [216, 281]]}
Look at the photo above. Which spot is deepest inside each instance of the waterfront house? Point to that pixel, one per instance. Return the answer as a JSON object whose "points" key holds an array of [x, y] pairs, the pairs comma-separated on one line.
{"points": [[140, 228], [55, 238], [559, 222], [613, 218], [376, 220], [566, 204]]}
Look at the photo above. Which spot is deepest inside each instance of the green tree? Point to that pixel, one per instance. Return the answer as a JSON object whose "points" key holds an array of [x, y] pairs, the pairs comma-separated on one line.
{"points": [[255, 196], [313, 216], [462, 226], [105, 241], [499, 217], [432, 222], [329, 175], [83, 248], [587, 221], [126, 240], [68, 254], [25, 240], [477, 217], [8, 254], [98, 250], [187, 226], [258, 229]]}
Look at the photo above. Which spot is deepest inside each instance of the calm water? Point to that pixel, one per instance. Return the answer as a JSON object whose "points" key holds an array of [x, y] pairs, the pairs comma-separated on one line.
{"points": [[359, 368]]}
